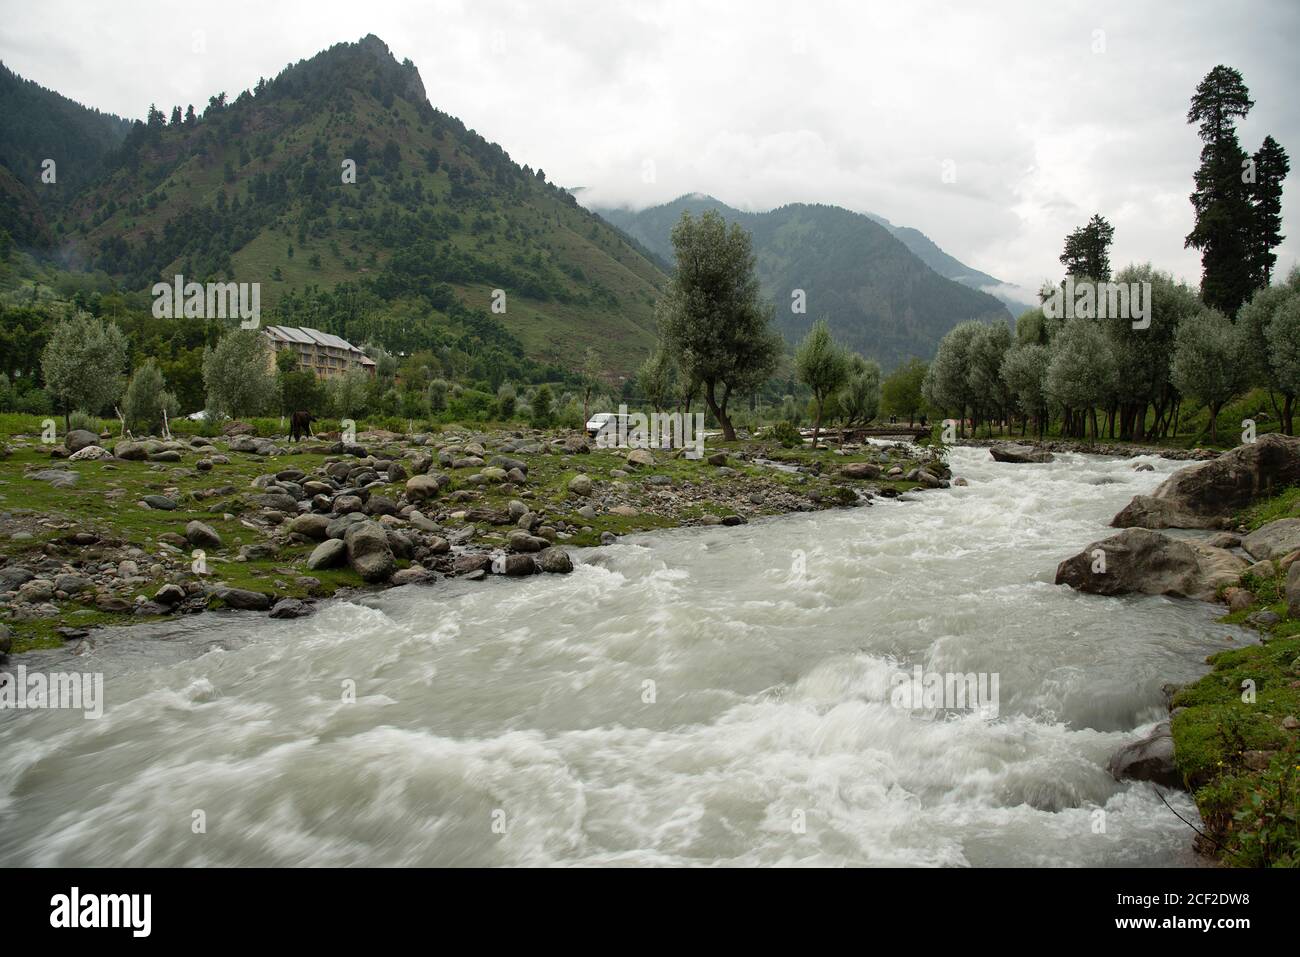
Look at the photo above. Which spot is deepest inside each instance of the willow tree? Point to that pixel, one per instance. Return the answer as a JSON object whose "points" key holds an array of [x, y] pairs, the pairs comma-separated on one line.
{"points": [[823, 367], [1209, 362], [82, 364], [712, 318]]}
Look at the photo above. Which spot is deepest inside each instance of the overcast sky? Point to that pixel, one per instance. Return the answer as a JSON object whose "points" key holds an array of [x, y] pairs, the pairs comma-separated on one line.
{"points": [[1044, 113]]}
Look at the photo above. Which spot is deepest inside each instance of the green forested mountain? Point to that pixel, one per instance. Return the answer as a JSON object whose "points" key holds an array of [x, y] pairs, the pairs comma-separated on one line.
{"points": [[879, 298], [38, 125], [255, 188]]}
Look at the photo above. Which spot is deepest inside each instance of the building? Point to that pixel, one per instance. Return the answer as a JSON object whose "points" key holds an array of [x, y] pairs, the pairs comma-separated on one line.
{"points": [[322, 353]]}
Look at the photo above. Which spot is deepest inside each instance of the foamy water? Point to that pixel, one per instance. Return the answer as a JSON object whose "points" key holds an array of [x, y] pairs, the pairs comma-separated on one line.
{"points": [[695, 697]]}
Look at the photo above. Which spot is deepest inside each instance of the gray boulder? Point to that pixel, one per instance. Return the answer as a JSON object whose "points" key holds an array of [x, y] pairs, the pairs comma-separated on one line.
{"points": [[202, 536], [1020, 454], [78, 439], [1148, 759], [555, 560], [1146, 562], [1208, 494], [369, 552], [1274, 540], [328, 554]]}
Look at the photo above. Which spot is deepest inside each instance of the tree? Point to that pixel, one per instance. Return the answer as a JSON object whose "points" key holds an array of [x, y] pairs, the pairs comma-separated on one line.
{"points": [[1208, 362], [1024, 370], [712, 317], [900, 393], [1221, 201], [823, 367], [1271, 167], [507, 399], [590, 381], [147, 399], [543, 406], [656, 378], [1081, 373], [348, 393], [82, 364], [438, 389], [988, 347], [859, 400], [947, 383], [1087, 250], [237, 374], [1283, 335]]}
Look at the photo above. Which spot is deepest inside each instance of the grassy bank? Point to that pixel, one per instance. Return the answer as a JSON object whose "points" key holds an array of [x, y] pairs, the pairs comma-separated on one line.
{"points": [[1235, 736], [95, 523]]}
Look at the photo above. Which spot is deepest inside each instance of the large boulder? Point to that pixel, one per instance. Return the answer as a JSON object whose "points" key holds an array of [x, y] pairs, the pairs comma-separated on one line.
{"points": [[421, 487], [1148, 759], [1143, 561], [861, 470], [1020, 454], [202, 536], [369, 552], [1274, 540], [78, 439], [1207, 494], [131, 451], [328, 554]]}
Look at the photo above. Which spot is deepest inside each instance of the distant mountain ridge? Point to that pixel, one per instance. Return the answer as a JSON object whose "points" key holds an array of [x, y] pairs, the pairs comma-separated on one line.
{"points": [[880, 296]]}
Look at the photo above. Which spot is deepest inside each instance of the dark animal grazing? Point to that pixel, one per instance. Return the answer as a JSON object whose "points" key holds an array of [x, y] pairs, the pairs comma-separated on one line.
{"points": [[300, 426]]}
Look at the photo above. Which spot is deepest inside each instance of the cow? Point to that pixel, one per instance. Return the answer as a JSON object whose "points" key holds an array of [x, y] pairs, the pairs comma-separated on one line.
{"points": [[300, 426]]}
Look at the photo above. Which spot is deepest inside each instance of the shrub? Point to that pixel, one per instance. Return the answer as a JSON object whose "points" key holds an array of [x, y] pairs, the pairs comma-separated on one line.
{"points": [[786, 433]]}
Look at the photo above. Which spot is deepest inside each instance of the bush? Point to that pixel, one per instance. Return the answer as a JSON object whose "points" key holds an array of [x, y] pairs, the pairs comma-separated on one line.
{"points": [[146, 400], [84, 421], [786, 433]]}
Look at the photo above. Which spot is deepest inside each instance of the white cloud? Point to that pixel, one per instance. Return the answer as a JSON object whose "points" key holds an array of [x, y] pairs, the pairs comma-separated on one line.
{"points": [[764, 103]]}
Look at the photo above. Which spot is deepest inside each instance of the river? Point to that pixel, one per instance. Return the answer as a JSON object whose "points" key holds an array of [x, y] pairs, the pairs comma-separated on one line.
{"points": [[711, 696]]}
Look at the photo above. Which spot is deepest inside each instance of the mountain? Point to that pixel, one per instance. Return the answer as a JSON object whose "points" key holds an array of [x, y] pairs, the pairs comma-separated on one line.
{"points": [[438, 237], [949, 267], [879, 296], [37, 126]]}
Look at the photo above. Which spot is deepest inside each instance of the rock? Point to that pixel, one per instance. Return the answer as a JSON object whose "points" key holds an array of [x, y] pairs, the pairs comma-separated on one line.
{"points": [[202, 536], [169, 595], [411, 576], [328, 554], [78, 439], [1291, 723], [72, 584], [508, 464], [369, 552], [733, 520], [1020, 454], [515, 565], [861, 470], [1293, 591], [90, 453], [1139, 560], [587, 512], [167, 455], [961, 482], [337, 527], [640, 458], [464, 564], [1263, 569], [1264, 618], [1148, 759], [717, 458], [244, 599], [1208, 494], [1238, 599], [521, 541], [381, 505], [580, 485], [627, 511], [555, 560], [131, 451], [276, 501], [315, 527], [608, 538], [1225, 540], [160, 502], [37, 590], [6, 640], [11, 576], [1274, 540], [58, 478], [290, 608], [425, 486], [1143, 467]]}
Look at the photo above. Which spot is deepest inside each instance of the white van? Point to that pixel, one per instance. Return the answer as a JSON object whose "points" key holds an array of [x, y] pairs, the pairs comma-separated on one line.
{"points": [[606, 422]]}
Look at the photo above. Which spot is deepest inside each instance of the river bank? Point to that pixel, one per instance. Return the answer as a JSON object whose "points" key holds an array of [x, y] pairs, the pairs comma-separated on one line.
{"points": [[1116, 449], [145, 530]]}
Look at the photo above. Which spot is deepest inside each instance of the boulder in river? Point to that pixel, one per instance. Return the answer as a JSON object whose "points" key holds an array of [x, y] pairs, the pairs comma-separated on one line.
{"points": [[1150, 758], [1274, 540], [1020, 454], [1146, 562], [1207, 494]]}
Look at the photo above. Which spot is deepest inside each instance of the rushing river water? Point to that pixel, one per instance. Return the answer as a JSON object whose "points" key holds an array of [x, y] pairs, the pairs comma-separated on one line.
{"points": [[699, 696]]}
